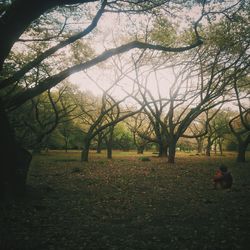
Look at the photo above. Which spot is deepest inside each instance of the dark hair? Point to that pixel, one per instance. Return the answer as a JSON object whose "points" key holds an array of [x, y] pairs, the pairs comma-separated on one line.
{"points": [[223, 168]]}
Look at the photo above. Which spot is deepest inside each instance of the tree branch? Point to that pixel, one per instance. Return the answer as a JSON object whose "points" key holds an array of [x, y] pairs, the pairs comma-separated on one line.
{"points": [[55, 79]]}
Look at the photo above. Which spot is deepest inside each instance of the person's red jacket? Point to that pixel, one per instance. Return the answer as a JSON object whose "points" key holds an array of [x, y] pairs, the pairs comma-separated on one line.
{"points": [[224, 179]]}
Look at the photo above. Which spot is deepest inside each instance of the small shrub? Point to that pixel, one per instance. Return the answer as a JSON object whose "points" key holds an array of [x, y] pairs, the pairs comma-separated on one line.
{"points": [[144, 159]]}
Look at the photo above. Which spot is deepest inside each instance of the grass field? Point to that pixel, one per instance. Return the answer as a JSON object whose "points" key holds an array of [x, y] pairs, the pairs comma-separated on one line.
{"points": [[127, 203]]}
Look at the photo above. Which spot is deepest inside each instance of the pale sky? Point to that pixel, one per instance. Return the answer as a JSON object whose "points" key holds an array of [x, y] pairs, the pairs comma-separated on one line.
{"points": [[113, 27], [106, 79]]}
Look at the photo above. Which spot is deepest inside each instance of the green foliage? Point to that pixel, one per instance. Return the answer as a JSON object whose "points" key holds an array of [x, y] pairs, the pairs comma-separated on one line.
{"points": [[232, 146], [81, 51], [122, 137], [123, 140], [230, 35], [185, 145], [187, 36], [220, 124], [46, 121], [55, 140], [164, 32]]}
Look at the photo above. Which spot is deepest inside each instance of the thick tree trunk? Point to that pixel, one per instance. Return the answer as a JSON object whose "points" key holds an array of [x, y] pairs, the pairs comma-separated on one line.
{"points": [[110, 143], [163, 150], [220, 148], [160, 150], [17, 18], [140, 150], [85, 151], [14, 161], [109, 151], [172, 151], [241, 156], [23, 162], [8, 157]]}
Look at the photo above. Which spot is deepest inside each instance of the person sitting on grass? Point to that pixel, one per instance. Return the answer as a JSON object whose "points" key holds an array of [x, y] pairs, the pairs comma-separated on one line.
{"points": [[222, 178]]}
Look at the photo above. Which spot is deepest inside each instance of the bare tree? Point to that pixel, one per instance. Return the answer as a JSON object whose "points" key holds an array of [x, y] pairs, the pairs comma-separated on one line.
{"points": [[142, 131], [198, 130], [96, 118], [240, 124], [217, 129], [195, 89]]}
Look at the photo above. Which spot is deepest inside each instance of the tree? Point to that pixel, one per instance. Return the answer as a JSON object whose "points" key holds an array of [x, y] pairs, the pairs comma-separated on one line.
{"points": [[141, 130], [109, 140], [35, 121], [198, 130], [196, 88], [122, 138], [240, 124], [217, 129], [99, 143], [105, 116]]}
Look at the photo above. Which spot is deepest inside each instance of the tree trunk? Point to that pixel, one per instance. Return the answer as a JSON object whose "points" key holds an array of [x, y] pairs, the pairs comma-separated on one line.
{"points": [[99, 144], [172, 151], [160, 150], [220, 147], [163, 150], [66, 144], [23, 162], [215, 148], [209, 144], [85, 151], [14, 161], [109, 151], [98, 150], [199, 146], [8, 157], [140, 149], [241, 156], [110, 142]]}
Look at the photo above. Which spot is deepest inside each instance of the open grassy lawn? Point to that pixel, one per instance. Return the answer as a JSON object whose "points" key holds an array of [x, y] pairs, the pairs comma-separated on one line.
{"points": [[127, 203]]}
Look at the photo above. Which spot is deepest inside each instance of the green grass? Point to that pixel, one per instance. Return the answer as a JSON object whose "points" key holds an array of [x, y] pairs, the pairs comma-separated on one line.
{"points": [[144, 158], [126, 203]]}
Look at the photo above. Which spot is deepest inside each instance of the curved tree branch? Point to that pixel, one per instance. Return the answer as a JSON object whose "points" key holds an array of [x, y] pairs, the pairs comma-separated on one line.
{"points": [[55, 79], [20, 73]]}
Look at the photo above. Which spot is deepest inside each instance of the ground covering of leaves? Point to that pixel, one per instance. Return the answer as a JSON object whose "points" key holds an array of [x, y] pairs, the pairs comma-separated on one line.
{"points": [[127, 203]]}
